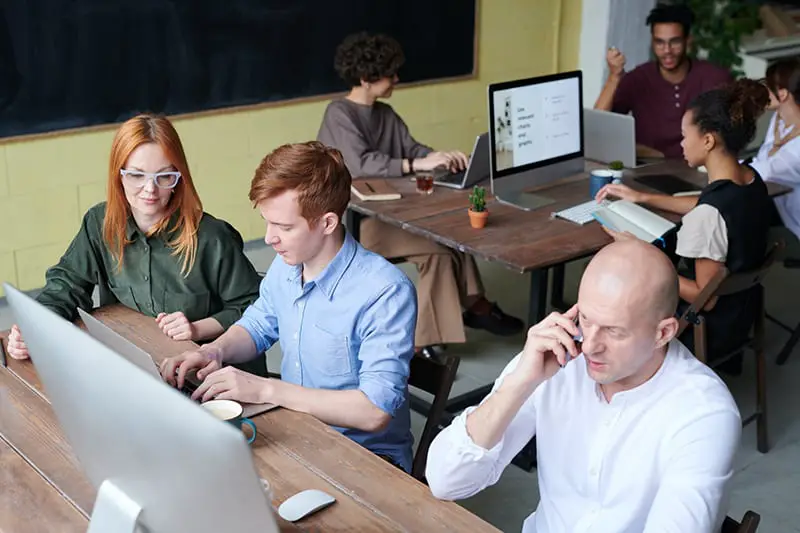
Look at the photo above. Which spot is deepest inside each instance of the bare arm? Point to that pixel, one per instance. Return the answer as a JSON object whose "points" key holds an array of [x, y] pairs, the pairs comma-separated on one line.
{"points": [[348, 408], [704, 272], [207, 328], [606, 99], [674, 204], [616, 69], [487, 424]]}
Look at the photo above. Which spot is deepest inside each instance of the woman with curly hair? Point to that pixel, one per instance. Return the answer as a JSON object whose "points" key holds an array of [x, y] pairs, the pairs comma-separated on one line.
{"points": [[727, 225], [375, 141]]}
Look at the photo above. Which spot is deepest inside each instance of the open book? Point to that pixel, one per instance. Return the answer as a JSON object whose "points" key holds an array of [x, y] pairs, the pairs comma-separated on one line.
{"points": [[627, 216], [374, 190]]}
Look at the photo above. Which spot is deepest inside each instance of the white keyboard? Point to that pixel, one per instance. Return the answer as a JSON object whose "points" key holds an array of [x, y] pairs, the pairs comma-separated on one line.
{"points": [[580, 214]]}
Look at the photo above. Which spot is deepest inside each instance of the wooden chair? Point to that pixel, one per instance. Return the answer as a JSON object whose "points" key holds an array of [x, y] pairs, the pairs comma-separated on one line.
{"points": [[794, 337], [724, 284], [749, 523], [434, 375]]}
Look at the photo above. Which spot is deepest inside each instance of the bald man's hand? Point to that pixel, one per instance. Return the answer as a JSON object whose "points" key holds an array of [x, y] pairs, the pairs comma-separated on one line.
{"points": [[550, 346]]}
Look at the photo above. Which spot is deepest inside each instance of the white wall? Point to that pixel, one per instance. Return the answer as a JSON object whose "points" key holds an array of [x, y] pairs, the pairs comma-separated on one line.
{"points": [[592, 58]]}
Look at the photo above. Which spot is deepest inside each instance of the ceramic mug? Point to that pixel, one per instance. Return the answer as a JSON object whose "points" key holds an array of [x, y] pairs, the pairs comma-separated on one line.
{"points": [[598, 179], [230, 412]]}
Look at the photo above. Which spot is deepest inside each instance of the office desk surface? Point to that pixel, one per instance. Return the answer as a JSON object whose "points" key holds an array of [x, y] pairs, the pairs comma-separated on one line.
{"points": [[293, 451], [520, 240]]}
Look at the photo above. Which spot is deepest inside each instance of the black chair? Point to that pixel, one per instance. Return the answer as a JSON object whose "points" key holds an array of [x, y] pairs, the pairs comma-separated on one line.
{"points": [[794, 337], [749, 523], [721, 285], [434, 375]]}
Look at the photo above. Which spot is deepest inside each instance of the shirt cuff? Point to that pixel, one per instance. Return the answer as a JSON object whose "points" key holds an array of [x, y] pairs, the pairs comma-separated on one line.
{"points": [[386, 398], [251, 327], [468, 448], [226, 318], [395, 168]]}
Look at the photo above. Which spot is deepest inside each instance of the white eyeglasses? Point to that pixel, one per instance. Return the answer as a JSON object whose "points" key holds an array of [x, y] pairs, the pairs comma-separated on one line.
{"points": [[162, 180]]}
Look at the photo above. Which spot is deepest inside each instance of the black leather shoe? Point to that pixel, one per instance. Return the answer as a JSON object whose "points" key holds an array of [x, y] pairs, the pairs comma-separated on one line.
{"points": [[495, 322]]}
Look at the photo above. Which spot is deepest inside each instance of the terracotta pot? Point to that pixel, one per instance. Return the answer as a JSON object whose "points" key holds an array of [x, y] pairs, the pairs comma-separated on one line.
{"points": [[477, 219]]}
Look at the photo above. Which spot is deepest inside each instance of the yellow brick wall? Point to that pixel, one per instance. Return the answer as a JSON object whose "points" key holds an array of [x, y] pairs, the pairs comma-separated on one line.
{"points": [[46, 184]]}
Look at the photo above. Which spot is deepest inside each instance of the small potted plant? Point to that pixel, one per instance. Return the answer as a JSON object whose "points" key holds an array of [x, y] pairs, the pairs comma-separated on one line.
{"points": [[478, 214], [616, 168]]}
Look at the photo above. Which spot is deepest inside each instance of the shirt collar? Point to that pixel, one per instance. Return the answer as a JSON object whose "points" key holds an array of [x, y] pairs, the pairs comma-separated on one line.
{"points": [[132, 230], [645, 388], [329, 278]]}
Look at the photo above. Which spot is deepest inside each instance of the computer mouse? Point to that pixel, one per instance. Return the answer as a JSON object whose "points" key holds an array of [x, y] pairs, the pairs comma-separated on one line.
{"points": [[304, 503]]}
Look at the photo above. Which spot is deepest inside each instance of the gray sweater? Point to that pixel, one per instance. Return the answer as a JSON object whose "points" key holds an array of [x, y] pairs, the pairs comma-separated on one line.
{"points": [[374, 140]]}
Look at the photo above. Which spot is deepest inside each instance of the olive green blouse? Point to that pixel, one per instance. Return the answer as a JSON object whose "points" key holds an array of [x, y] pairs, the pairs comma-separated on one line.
{"points": [[221, 284]]}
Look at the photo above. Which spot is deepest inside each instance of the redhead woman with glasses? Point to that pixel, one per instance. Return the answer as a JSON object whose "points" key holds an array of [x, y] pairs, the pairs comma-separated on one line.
{"points": [[151, 247]]}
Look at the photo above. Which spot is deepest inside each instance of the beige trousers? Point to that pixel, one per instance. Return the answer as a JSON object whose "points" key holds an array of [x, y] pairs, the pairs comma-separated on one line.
{"points": [[447, 279]]}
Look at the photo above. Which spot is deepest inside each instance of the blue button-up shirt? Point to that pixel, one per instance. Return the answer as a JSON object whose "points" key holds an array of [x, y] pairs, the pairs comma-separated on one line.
{"points": [[350, 328]]}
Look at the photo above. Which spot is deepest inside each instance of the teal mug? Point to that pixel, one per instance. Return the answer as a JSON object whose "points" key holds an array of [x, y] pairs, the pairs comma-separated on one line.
{"points": [[230, 412]]}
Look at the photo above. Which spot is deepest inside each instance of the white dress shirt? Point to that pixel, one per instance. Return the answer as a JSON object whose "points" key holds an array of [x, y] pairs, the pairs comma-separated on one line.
{"points": [[782, 167], [654, 458]]}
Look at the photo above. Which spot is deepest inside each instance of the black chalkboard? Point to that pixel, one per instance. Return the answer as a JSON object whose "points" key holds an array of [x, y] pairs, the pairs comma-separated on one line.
{"points": [[76, 63]]}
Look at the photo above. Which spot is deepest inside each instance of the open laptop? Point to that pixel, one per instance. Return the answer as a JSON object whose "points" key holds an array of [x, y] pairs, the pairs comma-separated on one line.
{"points": [[116, 342], [477, 168], [611, 137]]}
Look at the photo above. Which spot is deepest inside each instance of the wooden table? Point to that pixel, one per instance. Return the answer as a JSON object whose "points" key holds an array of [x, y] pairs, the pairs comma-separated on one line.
{"points": [[522, 241], [42, 487]]}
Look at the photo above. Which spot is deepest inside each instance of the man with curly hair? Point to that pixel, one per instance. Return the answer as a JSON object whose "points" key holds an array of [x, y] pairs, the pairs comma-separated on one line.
{"points": [[658, 92], [375, 141]]}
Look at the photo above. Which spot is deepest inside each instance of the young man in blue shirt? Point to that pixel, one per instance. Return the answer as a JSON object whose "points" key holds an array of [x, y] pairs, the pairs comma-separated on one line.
{"points": [[344, 316]]}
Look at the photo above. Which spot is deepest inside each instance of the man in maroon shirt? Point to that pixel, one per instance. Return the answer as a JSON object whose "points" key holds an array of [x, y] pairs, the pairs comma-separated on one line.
{"points": [[658, 92]]}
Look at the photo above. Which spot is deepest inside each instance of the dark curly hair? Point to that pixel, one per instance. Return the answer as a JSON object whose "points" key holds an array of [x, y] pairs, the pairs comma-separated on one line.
{"points": [[671, 13], [362, 56], [731, 112]]}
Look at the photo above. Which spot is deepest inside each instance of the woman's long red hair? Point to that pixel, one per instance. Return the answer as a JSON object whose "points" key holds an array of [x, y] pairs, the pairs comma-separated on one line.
{"points": [[184, 201]]}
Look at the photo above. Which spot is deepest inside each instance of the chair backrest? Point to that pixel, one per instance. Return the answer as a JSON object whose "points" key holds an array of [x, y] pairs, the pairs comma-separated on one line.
{"points": [[724, 283], [749, 523], [434, 375]]}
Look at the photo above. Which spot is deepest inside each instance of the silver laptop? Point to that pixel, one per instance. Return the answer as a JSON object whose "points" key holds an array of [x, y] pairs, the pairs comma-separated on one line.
{"points": [[611, 137], [477, 168], [113, 340]]}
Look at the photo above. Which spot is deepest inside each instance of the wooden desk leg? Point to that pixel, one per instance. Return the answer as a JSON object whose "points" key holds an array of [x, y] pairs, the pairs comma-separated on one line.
{"points": [[537, 300], [557, 295], [352, 220]]}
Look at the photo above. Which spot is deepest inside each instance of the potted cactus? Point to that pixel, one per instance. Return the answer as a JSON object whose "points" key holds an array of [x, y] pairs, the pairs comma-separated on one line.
{"points": [[616, 168], [478, 214]]}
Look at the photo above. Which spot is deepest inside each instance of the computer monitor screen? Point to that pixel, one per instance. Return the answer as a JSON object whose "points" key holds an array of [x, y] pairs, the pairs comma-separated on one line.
{"points": [[535, 122]]}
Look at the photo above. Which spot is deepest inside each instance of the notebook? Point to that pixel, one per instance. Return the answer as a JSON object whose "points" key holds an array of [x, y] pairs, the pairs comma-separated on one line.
{"points": [[374, 190], [627, 216]]}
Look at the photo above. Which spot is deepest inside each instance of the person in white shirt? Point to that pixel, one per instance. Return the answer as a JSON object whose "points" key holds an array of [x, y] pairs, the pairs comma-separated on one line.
{"points": [[778, 159], [633, 433]]}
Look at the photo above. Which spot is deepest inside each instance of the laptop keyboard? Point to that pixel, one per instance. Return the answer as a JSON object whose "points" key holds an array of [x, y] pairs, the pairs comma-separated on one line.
{"points": [[451, 177]]}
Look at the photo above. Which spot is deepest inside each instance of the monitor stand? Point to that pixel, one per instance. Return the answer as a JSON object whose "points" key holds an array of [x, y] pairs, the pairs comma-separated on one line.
{"points": [[511, 189], [114, 511], [524, 200]]}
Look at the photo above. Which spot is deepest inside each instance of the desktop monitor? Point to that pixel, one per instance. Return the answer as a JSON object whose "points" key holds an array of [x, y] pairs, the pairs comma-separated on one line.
{"points": [[160, 462], [535, 135]]}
